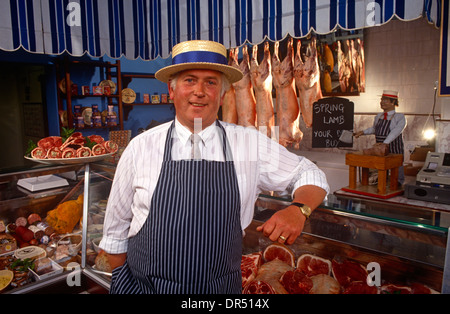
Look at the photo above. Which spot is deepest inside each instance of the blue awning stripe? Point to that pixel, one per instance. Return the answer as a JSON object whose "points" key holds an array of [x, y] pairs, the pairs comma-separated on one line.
{"points": [[67, 31], [221, 21], [153, 21], [150, 28], [23, 23], [61, 25]]}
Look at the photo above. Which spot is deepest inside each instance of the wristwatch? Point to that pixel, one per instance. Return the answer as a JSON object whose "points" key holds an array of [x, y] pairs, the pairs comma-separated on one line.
{"points": [[305, 209]]}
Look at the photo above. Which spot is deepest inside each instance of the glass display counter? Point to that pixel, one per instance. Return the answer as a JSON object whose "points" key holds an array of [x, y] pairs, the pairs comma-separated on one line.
{"points": [[23, 207], [409, 243], [409, 248]]}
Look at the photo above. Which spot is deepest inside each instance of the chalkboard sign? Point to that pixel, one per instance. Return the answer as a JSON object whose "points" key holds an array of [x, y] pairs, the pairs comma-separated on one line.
{"points": [[331, 116]]}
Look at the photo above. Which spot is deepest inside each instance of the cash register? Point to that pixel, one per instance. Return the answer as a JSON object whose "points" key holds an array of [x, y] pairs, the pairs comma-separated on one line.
{"points": [[433, 180]]}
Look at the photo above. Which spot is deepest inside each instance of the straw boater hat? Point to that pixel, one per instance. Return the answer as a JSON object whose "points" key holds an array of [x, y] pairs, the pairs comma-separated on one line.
{"points": [[199, 54], [390, 94]]}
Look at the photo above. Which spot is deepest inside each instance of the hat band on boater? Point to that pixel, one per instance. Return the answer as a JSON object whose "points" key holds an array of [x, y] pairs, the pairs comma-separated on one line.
{"points": [[390, 96], [199, 56]]}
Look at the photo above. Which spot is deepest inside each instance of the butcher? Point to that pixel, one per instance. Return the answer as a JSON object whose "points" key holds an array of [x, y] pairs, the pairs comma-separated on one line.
{"points": [[388, 128], [184, 191]]}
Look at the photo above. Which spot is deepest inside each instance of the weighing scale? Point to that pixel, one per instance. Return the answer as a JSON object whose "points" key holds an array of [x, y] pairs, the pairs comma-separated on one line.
{"points": [[433, 180]]}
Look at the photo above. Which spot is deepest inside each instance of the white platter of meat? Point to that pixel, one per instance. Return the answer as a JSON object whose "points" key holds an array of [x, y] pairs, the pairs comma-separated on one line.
{"points": [[75, 149]]}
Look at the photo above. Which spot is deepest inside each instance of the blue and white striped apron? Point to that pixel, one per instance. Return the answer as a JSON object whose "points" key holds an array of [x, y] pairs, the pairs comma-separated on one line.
{"points": [[191, 241], [382, 130]]}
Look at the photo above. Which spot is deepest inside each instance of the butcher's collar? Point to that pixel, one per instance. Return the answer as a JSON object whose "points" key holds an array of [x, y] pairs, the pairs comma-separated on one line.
{"points": [[184, 133]]}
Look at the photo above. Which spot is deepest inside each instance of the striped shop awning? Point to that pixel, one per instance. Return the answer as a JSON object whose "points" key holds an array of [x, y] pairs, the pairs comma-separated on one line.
{"points": [[255, 20], [150, 28]]}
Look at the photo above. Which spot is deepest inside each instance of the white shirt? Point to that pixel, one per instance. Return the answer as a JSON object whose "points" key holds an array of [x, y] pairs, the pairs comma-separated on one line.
{"points": [[261, 165], [398, 124]]}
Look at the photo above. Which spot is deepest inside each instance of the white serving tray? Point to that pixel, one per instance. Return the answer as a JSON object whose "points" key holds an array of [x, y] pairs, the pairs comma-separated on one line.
{"points": [[70, 161], [42, 182], [56, 269]]}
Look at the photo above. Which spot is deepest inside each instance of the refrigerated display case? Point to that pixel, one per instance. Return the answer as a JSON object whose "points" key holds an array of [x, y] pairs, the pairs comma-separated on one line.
{"points": [[409, 247], [409, 244], [17, 201]]}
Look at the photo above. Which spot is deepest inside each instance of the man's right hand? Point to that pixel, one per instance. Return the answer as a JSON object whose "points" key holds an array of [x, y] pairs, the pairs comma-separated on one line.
{"points": [[358, 134], [116, 260]]}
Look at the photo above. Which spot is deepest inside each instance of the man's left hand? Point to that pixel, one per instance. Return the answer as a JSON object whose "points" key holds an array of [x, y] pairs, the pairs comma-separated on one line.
{"points": [[287, 224], [284, 226]]}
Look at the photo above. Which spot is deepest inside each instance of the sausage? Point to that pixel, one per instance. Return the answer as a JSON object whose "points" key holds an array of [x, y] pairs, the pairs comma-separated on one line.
{"points": [[11, 227], [21, 221], [24, 233], [20, 242], [44, 226], [32, 218], [37, 233]]}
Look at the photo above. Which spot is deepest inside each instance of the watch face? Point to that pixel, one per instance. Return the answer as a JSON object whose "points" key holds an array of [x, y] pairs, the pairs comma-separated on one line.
{"points": [[307, 210]]}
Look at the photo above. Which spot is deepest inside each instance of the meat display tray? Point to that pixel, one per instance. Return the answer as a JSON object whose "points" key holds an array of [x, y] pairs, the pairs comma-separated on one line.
{"points": [[393, 269]]}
